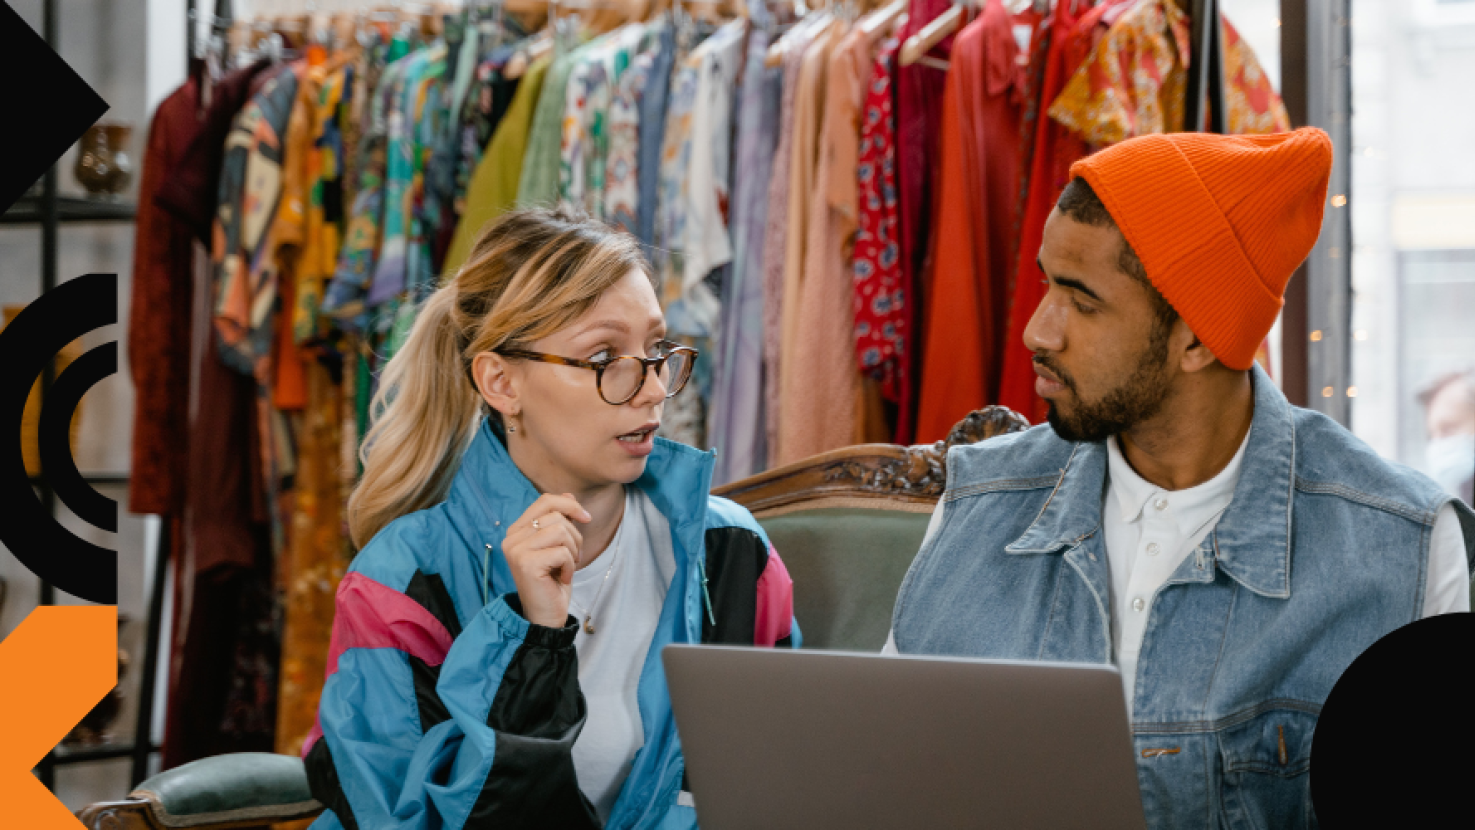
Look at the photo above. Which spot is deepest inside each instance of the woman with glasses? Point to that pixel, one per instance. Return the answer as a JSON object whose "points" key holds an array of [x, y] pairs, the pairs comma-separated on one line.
{"points": [[527, 547]]}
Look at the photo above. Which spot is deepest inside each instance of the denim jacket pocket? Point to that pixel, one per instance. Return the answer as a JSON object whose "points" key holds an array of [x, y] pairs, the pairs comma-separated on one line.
{"points": [[1266, 762]]}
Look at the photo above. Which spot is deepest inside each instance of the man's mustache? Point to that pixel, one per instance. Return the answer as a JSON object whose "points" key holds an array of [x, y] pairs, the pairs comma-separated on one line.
{"points": [[1053, 368]]}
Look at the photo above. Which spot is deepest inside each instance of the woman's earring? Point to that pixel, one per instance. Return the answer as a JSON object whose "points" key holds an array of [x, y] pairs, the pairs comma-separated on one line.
{"points": [[511, 428]]}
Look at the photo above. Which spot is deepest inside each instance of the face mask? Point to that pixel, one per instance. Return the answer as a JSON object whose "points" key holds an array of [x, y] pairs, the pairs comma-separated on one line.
{"points": [[1450, 460]]}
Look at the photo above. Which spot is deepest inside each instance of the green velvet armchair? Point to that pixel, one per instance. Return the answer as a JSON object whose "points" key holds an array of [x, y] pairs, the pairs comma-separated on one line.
{"points": [[847, 524]]}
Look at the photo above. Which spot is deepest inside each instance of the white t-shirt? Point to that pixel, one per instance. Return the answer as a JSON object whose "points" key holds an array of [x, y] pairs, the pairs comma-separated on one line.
{"points": [[1145, 543], [640, 563]]}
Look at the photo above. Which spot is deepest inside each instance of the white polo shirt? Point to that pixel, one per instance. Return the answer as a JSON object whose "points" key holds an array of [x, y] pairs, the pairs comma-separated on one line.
{"points": [[1148, 532]]}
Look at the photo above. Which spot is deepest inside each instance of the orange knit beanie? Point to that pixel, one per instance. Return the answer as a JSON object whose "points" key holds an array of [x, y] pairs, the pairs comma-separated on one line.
{"points": [[1220, 223]]}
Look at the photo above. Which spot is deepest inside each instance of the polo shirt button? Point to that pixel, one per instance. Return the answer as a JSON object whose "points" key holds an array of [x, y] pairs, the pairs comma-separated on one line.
{"points": [[1161, 504], [1153, 548], [1138, 604]]}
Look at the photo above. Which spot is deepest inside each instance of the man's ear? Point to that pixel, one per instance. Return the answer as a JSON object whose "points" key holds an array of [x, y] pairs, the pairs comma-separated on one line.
{"points": [[497, 381], [1196, 356]]}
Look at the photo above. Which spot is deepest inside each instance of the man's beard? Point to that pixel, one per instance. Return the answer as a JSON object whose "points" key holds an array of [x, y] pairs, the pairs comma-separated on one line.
{"points": [[1133, 401]]}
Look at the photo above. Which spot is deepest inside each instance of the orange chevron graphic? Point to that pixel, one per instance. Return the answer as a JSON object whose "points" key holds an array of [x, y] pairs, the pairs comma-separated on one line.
{"points": [[54, 668]]}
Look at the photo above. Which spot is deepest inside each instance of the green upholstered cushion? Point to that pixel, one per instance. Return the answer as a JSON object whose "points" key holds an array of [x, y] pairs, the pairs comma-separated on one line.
{"points": [[234, 787], [847, 564]]}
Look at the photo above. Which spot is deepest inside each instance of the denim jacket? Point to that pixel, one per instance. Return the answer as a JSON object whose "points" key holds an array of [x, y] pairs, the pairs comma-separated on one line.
{"points": [[1322, 551]]}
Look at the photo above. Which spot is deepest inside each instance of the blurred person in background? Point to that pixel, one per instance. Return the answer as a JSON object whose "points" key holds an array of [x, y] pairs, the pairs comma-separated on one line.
{"points": [[1449, 457]]}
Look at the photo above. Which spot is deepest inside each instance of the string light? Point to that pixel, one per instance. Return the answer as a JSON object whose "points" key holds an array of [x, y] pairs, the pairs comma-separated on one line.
{"points": [[1316, 336]]}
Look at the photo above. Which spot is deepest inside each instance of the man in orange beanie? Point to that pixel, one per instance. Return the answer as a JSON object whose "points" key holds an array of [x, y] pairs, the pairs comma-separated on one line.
{"points": [[1231, 554]]}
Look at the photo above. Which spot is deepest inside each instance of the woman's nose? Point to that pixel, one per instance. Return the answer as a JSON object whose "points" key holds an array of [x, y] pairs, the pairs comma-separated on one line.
{"points": [[650, 387]]}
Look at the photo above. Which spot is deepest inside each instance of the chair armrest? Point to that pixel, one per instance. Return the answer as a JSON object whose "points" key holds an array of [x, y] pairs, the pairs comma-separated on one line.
{"points": [[236, 790]]}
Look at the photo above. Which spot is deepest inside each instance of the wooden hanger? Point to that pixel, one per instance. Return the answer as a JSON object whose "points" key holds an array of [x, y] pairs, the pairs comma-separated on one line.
{"points": [[919, 44], [292, 29], [775, 55], [713, 11], [602, 15], [518, 64], [544, 41], [651, 8], [877, 23]]}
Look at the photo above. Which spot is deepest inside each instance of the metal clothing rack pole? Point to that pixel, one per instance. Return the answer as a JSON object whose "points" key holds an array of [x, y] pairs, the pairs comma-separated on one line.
{"points": [[1294, 90], [1205, 70], [189, 34], [143, 725]]}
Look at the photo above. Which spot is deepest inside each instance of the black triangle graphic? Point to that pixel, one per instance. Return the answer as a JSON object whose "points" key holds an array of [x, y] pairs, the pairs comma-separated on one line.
{"points": [[46, 96]]}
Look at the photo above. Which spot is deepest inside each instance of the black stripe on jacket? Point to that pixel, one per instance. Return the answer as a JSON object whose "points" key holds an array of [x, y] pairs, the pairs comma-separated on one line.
{"points": [[736, 558], [430, 592], [322, 782], [537, 714]]}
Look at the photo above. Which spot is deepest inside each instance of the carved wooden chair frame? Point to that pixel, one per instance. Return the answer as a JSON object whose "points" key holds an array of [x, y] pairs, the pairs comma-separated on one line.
{"points": [[878, 476]]}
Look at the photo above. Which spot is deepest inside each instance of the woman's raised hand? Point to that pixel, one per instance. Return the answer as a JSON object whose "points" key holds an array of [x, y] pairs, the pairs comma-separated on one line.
{"points": [[543, 558]]}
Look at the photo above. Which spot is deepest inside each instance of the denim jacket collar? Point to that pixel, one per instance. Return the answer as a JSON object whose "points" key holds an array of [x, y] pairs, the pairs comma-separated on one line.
{"points": [[1251, 542], [1073, 510]]}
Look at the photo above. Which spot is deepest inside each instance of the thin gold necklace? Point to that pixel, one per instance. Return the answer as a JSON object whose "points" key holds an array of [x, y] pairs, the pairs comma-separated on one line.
{"points": [[589, 614], [611, 549]]}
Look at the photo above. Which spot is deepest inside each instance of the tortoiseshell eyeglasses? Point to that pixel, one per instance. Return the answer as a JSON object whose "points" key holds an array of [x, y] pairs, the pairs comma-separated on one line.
{"points": [[620, 378]]}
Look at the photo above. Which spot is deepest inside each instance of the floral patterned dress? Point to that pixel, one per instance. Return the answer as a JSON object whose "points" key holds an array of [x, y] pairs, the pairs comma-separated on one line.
{"points": [[881, 316]]}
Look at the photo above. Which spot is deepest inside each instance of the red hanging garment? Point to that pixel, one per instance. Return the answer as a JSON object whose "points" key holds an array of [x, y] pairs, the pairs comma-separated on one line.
{"points": [[919, 90], [1054, 149], [978, 183]]}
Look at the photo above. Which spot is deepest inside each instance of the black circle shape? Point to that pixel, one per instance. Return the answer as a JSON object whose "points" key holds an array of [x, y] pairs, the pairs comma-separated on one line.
{"points": [[1392, 745], [46, 548], [54, 437]]}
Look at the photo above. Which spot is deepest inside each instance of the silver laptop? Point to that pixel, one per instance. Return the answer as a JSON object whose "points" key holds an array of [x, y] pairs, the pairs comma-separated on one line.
{"points": [[818, 740]]}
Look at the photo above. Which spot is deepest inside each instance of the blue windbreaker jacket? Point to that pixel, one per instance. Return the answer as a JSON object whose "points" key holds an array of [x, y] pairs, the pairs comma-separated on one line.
{"points": [[444, 708]]}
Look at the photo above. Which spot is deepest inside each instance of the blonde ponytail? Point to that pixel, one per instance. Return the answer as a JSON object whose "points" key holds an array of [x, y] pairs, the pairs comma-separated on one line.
{"points": [[529, 275]]}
